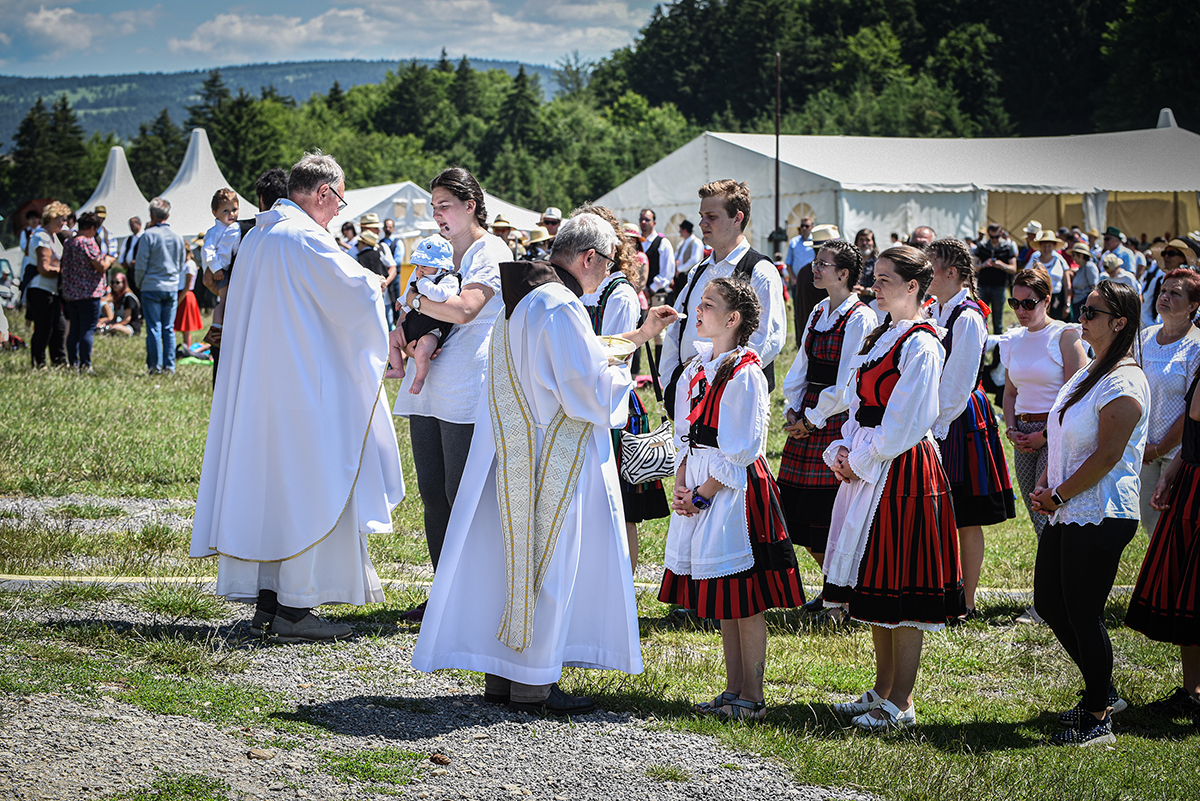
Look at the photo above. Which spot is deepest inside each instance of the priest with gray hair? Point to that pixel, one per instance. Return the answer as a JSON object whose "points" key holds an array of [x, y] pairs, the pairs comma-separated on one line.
{"points": [[535, 571], [301, 462]]}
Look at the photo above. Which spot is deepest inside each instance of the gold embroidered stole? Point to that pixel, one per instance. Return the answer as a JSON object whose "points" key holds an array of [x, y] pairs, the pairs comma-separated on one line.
{"points": [[534, 496]]}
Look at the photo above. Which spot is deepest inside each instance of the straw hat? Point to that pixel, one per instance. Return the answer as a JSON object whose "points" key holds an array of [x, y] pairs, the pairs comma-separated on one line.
{"points": [[1050, 236], [553, 214], [501, 222], [631, 230], [369, 220], [1034, 227], [368, 238], [538, 234], [1080, 249], [825, 233], [1188, 254], [101, 212]]}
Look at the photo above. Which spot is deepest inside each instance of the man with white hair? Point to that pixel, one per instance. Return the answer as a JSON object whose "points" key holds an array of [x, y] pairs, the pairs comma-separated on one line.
{"points": [[161, 257], [535, 569], [301, 462]]}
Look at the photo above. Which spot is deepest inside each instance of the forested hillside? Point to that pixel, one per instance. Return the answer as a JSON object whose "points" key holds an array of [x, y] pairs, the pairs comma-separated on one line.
{"points": [[859, 67]]}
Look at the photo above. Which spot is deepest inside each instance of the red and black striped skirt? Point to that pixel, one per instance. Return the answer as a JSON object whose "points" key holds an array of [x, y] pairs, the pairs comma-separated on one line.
{"points": [[976, 468], [772, 583], [1167, 594], [910, 572]]}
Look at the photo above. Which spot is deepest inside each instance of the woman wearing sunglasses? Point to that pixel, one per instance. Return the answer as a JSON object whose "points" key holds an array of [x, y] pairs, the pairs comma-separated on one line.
{"points": [[1038, 359], [1097, 433]]}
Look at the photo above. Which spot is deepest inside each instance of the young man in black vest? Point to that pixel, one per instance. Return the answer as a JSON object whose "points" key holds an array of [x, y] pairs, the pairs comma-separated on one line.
{"points": [[724, 215], [659, 252]]}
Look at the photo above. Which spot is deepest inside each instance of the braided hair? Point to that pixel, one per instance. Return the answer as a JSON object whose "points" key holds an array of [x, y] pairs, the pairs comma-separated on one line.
{"points": [[845, 257], [912, 264], [954, 253], [739, 297]]}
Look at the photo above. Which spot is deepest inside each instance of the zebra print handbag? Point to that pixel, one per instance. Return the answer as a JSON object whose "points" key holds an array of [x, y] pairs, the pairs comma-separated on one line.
{"points": [[650, 456]]}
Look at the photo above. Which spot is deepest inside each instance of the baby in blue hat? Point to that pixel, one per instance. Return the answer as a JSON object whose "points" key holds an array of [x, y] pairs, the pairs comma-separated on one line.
{"points": [[424, 333]]}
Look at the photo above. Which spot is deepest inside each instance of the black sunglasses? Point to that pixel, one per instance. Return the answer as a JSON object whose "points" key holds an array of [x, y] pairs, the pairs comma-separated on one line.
{"points": [[1090, 312], [1029, 304], [1174, 253]]}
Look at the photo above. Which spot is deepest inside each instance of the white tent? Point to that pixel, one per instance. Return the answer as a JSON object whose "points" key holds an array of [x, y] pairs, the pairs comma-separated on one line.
{"points": [[118, 192], [409, 206], [954, 186], [190, 194]]}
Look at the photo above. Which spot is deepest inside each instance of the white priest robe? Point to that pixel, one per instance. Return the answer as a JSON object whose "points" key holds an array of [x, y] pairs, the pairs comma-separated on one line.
{"points": [[586, 612], [301, 461]]}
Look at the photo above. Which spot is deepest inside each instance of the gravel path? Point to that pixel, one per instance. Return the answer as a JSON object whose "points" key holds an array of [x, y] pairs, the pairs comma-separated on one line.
{"points": [[362, 695]]}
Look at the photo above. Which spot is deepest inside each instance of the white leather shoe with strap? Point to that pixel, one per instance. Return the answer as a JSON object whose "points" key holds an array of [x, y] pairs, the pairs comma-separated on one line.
{"points": [[891, 717], [870, 700]]}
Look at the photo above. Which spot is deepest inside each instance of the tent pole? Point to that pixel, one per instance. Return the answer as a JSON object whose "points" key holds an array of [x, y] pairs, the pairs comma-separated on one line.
{"points": [[778, 237]]}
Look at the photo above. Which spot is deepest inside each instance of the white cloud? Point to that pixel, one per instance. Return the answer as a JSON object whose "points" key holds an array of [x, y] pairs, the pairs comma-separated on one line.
{"points": [[64, 27], [539, 33]]}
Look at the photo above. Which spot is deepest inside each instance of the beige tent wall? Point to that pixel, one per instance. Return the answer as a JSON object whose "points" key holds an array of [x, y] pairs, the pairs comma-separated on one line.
{"points": [[1153, 213], [1014, 210]]}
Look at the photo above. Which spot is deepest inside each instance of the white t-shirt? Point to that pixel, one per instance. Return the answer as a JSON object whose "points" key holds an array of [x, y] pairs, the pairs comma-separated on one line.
{"points": [[1057, 269], [455, 382], [1035, 365], [41, 239], [1076, 438], [189, 271], [1169, 371]]}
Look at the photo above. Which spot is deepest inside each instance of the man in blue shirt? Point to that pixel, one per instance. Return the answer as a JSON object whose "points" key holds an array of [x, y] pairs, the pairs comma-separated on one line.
{"points": [[799, 258], [1114, 243], [161, 257]]}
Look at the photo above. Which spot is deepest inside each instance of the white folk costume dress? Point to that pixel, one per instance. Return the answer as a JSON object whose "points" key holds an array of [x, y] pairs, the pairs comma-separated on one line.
{"points": [[734, 559], [511, 597], [892, 558], [815, 387], [966, 430], [301, 461]]}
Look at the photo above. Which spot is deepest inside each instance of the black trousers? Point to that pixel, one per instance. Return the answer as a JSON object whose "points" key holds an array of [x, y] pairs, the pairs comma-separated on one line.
{"points": [[1074, 573], [45, 310]]}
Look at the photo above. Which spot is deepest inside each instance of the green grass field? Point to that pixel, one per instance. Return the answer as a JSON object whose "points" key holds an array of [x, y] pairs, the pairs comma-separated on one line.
{"points": [[986, 697]]}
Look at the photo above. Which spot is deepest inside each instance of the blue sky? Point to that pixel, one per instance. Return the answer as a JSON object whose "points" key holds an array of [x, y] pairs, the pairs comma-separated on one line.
{"points": [[71, 38]]}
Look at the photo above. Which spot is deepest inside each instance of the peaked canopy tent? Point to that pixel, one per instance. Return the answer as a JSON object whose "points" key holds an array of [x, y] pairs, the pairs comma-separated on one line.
{"points": [[955, 186], [118, 192], [190, 193], [409, 206]]}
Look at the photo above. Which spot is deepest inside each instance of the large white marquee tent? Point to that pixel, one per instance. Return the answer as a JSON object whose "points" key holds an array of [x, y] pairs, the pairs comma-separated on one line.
{"points": [[118, 192], [1140, 180], [190, 194]]}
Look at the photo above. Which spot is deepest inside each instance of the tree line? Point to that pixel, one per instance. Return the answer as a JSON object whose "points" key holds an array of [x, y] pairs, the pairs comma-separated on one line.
{"points": [[853, 67]]}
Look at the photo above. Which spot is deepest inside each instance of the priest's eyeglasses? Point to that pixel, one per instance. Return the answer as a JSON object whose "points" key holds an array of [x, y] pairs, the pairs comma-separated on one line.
{"points": [[341, 200], [611, 261]]}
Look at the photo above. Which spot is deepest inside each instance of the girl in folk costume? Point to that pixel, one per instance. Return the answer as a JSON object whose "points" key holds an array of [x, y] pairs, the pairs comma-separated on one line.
{"points": [[816, 403], [728, 555], [614, 309], [966, 429], [892, 558]]}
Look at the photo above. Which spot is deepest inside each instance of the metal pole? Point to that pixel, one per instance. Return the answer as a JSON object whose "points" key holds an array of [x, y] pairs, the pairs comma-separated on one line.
{"points": [[778, 116]]}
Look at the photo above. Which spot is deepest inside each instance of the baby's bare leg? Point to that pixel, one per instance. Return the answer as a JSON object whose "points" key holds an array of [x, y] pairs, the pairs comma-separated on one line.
{"points": [[423, 352]]}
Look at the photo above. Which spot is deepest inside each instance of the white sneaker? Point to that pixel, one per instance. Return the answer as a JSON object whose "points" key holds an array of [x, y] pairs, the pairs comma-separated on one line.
{"points": [[868, 702], [892, 717]]}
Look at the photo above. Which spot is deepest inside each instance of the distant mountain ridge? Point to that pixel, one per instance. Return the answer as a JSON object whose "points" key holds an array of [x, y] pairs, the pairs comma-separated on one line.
{"points": [[120, 103]]}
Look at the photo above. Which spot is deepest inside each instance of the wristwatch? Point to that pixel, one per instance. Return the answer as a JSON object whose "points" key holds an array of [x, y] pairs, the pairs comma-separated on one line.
{"points": [[699, 501], [1054, 496], [416, 304]]}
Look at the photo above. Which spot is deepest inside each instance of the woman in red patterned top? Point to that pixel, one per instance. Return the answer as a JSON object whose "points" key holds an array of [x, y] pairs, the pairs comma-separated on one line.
{"points": [[81, 287]]}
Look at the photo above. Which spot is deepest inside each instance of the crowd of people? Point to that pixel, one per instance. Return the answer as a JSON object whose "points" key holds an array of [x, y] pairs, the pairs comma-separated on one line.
{"points": [[517, 412]]}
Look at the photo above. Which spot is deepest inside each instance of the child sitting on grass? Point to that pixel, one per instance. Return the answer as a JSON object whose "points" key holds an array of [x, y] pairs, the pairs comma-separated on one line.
{"points": [[424, 334], [728, 554]]}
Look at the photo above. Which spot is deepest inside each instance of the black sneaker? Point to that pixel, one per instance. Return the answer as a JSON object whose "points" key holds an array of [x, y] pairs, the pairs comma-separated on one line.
{"points": [[1178, 704], [1088, 731], [1073, 715]]}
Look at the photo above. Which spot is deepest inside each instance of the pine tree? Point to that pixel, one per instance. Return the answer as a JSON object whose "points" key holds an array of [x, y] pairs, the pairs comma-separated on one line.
{"points": [[465, 90], [33, 157], [444, 64], [213, 95], [242, 142], [336, 99], [156, 154]]}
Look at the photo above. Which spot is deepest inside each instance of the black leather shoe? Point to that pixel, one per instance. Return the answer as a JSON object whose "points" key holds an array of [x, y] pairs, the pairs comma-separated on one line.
{"points": [[261, 622], [495, 698], [558, 703], [815, 605]]}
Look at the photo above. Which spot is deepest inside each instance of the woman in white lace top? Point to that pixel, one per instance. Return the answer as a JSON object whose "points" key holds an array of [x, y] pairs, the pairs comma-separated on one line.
{"points": [[1096, 438]]}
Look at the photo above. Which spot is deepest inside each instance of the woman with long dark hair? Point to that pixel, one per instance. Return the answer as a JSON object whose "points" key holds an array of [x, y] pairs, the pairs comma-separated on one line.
{"points": [[892, 559], [1096, 435], [441, 419], [966, 429], [816, 405]]}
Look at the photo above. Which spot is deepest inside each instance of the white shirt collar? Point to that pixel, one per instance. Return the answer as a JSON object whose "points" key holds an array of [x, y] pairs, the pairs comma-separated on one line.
{"points": [[736, 254]]}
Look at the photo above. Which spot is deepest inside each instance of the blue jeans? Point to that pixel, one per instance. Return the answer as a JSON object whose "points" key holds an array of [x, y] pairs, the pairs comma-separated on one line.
{"points": [[159, 310], [83, 314]]}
